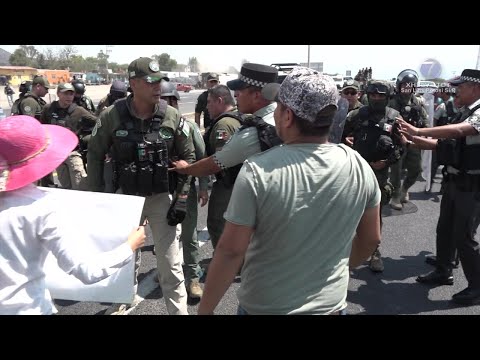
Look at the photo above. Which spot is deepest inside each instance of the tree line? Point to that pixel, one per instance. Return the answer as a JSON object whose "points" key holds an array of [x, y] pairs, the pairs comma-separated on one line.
{"points": [[68, 58]]}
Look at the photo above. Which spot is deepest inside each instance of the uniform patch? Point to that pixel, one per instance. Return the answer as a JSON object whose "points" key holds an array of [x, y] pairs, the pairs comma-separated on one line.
{"points": [[186, 129], [121, 133], [387, 127], [221, 135], [27, 109], [154, 66], [98, 125], [165, 133]]}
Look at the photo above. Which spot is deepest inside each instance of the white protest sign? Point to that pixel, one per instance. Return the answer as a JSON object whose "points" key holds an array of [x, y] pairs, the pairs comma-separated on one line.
{"points": [[104, 222]]}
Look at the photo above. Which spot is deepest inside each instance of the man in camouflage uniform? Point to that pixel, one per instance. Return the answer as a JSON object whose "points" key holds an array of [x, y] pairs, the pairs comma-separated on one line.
{"points": [[188, 228], [201, 105], [221, 107], [63, 112], [32, 103], [80, 98], [143, 134], [370, 131], [350, 92], [410, 108], [118, 90]]}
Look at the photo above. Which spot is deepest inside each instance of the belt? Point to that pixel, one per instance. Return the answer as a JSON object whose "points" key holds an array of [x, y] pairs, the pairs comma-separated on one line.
{"points": [[453, 171]]}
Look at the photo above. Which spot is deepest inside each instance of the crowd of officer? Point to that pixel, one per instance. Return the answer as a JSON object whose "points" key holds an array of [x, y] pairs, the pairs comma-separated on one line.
{"points": [[156, 153]]}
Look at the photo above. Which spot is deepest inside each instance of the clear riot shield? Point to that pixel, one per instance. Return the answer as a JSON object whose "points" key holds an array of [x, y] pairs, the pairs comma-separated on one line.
{"points": [[427, 154], [338, 122]]}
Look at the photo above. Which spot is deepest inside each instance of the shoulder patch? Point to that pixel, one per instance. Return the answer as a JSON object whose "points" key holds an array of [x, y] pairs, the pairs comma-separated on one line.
{"points": [[221, 135], [98, 125], [27, 109]]}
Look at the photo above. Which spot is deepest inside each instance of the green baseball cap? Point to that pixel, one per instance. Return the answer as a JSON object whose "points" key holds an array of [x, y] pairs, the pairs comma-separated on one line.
{"points": [[63, 87], [146, 68], [40, 80]]}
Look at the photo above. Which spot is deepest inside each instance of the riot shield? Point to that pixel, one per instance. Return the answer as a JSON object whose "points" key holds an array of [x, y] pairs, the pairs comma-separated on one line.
{"points": [[427, 154], [338, 122]]}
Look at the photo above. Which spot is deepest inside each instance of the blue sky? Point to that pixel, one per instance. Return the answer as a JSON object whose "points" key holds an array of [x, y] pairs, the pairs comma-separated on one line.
{"points": [[386, 60]]}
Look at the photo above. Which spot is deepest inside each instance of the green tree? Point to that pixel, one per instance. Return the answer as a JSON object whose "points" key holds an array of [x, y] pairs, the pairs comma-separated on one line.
{"points": [[19, 58], [164, 61], [193, 64]]}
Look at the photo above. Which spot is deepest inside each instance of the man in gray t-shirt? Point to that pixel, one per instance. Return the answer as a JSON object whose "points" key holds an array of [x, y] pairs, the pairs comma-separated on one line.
{"points": [[295, 210]]}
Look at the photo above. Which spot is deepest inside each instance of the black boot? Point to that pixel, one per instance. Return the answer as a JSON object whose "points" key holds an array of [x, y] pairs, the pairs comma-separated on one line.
{"points": [[437, 277]]}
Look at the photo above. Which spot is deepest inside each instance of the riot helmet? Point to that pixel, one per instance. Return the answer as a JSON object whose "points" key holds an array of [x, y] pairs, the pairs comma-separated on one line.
{"points": [[79, 87], [168, 89], [407, 76], [25, 86], [118, 90]]}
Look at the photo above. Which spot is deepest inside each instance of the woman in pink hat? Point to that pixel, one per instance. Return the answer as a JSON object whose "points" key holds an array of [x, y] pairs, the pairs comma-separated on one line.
{"points": [[29, 223]]}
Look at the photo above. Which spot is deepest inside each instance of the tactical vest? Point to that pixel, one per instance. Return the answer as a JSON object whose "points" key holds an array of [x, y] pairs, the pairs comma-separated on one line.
{"points": [[60, 116], [368, 136], [85, 103], [16, 105], [141, 155], [448, 116], [463, 153], [412, 112], [206, 137], [267, 138]]}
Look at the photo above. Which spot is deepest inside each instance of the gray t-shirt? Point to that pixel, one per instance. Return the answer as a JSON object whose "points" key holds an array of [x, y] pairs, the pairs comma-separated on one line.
{"points": [[304, 202], [243, 143]]}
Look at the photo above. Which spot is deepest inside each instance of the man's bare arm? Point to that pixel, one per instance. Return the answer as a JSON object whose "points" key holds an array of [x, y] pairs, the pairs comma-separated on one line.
{"points": [[367, 238], [204, 167], [226, 262]]}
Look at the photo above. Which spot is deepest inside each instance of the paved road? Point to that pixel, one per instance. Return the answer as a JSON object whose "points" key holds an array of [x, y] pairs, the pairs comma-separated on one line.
{"points": [[406, 240]]}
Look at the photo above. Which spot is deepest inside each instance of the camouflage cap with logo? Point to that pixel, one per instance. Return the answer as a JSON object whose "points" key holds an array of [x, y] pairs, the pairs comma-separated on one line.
{"points": [[146, 68], [305, 91], [40, 80], [351, 84], [63, 87]]}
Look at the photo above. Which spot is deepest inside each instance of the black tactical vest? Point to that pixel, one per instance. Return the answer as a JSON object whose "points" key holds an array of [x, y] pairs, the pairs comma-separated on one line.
{"points": [[412, 112], [368, 135], [59, 116], [141, 153]]}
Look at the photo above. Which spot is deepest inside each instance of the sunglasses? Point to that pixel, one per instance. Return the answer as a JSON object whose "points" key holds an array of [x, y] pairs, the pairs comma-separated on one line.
{"points": [[351, 92]]}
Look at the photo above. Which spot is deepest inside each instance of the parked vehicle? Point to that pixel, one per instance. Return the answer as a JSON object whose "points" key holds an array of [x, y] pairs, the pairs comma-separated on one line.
{"points": [[184, 87]]}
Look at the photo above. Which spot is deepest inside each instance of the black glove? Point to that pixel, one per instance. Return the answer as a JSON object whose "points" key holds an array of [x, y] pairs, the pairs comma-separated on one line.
{"points": [[177, 211]]}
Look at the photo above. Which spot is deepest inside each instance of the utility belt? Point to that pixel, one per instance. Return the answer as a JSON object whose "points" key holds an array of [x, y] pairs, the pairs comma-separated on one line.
{"points": [[464, 181], [147, 175]]}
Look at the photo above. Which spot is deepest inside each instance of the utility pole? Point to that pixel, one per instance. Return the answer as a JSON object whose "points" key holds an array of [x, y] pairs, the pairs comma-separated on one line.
{"points": [[107, 52], [478, 59], [308, 60]]}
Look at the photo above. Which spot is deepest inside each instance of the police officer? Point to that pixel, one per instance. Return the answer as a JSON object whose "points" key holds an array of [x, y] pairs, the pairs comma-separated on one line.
{"points": [[249, 140], [143, 134], [350, 92], [80, 98], [188, 228], [221, 106], [118, 90], [371, 131], [25, 86], [201, 105], [32, 103], [408, 104], [459, 151], [64, 112]]}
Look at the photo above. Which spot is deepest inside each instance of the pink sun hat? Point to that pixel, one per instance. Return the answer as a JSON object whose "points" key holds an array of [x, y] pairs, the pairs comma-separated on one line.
{"points": [[29, 150]]}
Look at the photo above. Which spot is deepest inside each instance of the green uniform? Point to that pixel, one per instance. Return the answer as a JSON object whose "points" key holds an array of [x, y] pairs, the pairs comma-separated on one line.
{"points": [[412, 158], [201, 106], [31, 105], [103, 104], [189, 238], [108, 124], [221, 132], [71, 173], [85, 102]]}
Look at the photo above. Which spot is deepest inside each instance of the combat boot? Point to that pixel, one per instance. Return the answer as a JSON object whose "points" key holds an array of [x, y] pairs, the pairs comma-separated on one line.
{"points": [[404, 197], [376, 263], [396, 202], [194, 290]]}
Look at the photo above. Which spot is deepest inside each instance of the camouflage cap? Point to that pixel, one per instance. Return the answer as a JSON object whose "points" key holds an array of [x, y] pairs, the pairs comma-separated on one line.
{"points": [[146, 68], [305, 91], [40, 80], [63, 87], [351, 84]]}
